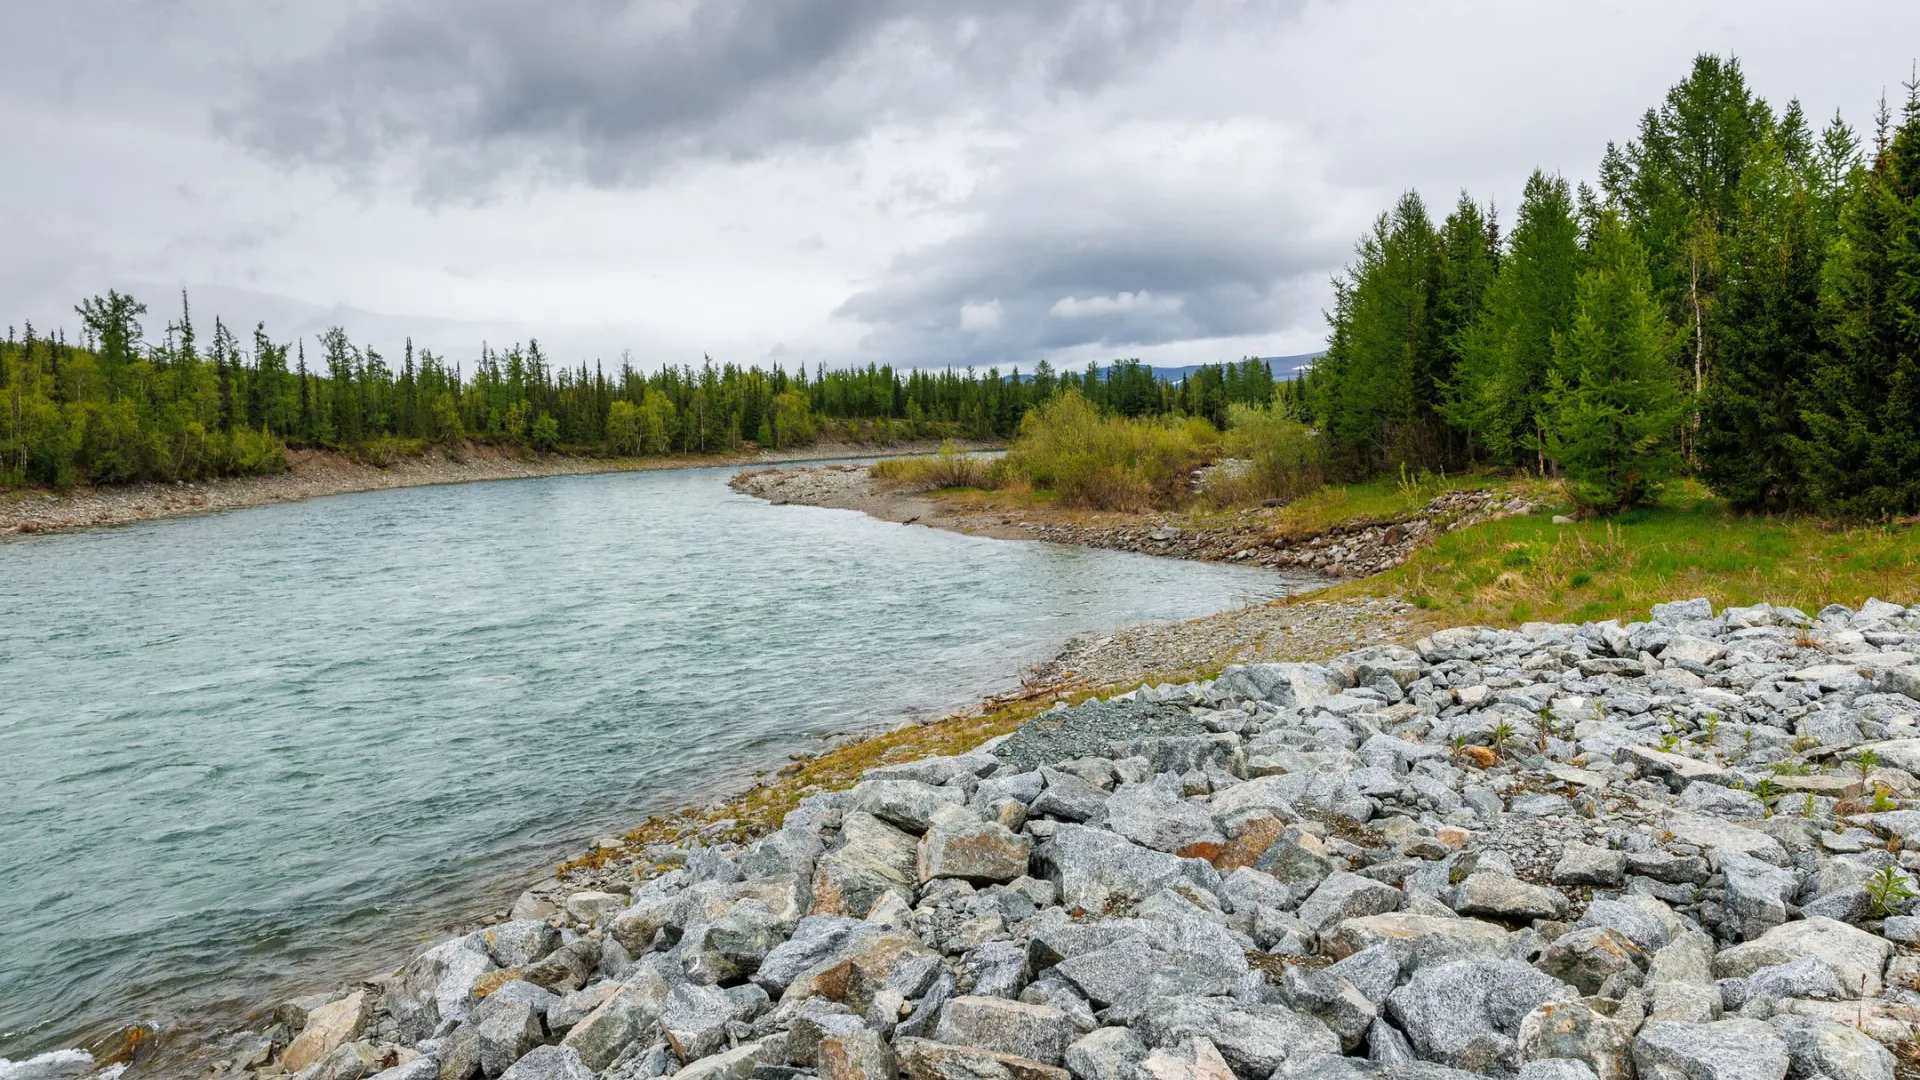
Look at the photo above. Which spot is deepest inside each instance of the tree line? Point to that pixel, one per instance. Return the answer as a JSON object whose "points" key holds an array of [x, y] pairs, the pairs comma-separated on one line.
{"points": [[116, 407], [1739, 300]]}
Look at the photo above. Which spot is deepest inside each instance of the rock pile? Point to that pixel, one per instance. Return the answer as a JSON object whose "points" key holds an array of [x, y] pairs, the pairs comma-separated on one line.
{"points": [[817, 485], [1354, 549], [1675, 850]]}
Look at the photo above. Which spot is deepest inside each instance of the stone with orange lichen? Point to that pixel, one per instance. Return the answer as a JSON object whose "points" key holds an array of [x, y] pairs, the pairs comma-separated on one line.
{"points": [[1256, 836]]}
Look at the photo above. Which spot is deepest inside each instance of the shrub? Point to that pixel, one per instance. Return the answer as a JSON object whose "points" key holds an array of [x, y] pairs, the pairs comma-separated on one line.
{"points": [[952, 467], [383, 450], [1109, 463], [1283, 457], [546, 432]]}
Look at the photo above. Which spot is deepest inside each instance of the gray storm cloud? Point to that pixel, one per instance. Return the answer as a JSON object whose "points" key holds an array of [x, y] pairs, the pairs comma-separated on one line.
{"points": [[918, 182], [462, 91]]}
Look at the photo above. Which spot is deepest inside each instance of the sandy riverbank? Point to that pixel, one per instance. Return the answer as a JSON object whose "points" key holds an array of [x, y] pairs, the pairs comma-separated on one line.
{"points": [[317, 473]]}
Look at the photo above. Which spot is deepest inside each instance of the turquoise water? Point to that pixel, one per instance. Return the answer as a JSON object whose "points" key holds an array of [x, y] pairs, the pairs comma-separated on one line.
{"points": [[252, 753]]}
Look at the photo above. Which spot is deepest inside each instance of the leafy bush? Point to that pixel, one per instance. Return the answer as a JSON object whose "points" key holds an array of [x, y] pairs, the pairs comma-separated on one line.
{"points": [[383, 450], [546, 432], [1109, 463], [952, 467], [1283, 457]]}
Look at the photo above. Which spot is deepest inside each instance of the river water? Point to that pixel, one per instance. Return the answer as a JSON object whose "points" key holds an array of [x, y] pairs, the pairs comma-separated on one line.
{"points": [[248, 754]]}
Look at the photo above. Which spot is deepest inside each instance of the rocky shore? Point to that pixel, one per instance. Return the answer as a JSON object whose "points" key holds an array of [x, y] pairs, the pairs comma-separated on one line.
{"points": [[1351, 549], [1679, 848], [317, 473]]}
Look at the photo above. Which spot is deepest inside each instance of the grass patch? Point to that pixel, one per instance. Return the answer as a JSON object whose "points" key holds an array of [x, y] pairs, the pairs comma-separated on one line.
{"points": [[1387, 500], [1519, 569]]}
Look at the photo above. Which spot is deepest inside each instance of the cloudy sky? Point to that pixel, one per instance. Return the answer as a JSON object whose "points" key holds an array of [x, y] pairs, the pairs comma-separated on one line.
{"points": [[923, 182]]}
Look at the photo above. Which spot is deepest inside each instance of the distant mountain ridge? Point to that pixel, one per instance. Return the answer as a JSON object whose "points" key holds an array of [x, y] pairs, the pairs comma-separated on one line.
{"points": [[1284, 367]]}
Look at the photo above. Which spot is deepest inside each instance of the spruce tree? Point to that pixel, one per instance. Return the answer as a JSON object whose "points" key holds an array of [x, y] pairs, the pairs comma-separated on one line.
{"points": [[1769, 325], [1385, 348], [1615, 409], [1860, 452], [1469, 260], [1497, 392]]}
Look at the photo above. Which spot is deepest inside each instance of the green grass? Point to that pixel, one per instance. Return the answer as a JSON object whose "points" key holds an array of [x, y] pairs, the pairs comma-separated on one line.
{"points": [[1384, 499], [1519, 569]]}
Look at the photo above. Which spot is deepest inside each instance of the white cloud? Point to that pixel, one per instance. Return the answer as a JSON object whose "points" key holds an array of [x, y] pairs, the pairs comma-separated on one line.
{"points": [[979, 317], [1123, 303]]}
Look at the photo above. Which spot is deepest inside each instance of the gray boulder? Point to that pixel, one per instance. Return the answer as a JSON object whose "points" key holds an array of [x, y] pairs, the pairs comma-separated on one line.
{"points": [[1466, 1014], [1097, 870], [817, 939], [733, 946], [505, 1026], [1344, 896], [1806, 977], [1858, 957], [977, 851], [1332, 1000], [873, 858], [904, 804], [616, 1023], [1419, 940], [994, 969], [1036, 1032], [1643, 920], [924, 1059], [1154, 815], [1255, 1039], [1068, 798], [520, 942], [1499, 896], [549, 1063], [1584, 864], [818, 1021], [1734, 1049], [1556, 1069], [1837, 1051], [1109, 1053], [695, 1018], [857, 1055], [437, 986], [1586, 957], [567, 968], [1592, 1031], [1757, 894], [739, 1063]]}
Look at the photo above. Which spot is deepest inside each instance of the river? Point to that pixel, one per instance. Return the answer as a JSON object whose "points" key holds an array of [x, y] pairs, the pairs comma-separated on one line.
{"points": [[252, 753]]}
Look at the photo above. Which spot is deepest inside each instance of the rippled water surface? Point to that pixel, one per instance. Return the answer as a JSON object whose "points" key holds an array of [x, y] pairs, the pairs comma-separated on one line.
{"points": [[244, 753]]}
